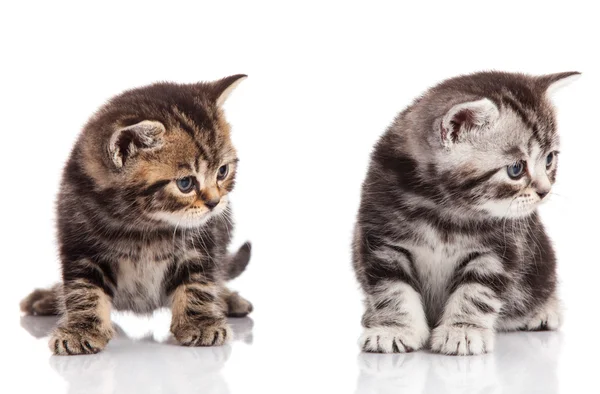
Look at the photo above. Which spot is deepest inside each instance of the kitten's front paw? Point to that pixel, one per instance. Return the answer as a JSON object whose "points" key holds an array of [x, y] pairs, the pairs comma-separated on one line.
{"points": [[392, 339], [190, 335], [462, 339], [73, 341]]}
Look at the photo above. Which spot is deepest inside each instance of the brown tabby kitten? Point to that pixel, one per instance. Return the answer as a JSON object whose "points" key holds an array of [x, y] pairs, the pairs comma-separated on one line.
{"points": [[144, 219]]}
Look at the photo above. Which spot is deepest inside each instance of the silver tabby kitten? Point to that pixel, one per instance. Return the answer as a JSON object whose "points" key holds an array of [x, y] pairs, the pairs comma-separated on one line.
{"points": [[448, 245]]}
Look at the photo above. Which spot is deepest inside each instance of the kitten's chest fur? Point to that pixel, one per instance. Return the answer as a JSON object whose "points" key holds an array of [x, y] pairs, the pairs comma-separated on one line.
{"points": [[140, 283], [141, 271], [436, 259]]}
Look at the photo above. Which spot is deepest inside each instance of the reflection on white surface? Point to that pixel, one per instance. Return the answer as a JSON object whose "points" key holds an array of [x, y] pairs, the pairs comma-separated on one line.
{"points": [[127, 365], [523, 362], [142, 358]]}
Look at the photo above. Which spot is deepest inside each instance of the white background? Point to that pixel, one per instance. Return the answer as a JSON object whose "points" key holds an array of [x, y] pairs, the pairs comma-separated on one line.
{"points": [[324, 82]]}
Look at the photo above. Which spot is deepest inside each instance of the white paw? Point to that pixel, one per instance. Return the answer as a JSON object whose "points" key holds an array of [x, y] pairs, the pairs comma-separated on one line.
{"points": [[462, 339], [546, 319], [393, 339]]}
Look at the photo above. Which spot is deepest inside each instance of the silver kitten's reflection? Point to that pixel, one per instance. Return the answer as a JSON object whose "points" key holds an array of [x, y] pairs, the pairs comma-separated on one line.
{"points": [[521, 363], [143, 365]]}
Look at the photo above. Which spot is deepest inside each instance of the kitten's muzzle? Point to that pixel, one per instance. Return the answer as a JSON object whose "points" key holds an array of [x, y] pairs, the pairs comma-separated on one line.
{"points": [[212, 203], [541, 186]]}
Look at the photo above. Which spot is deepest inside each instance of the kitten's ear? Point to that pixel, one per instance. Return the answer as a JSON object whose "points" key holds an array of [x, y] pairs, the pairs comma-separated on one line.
{"points": [[222, 88], [466, 117], [126, 142], [553, 82]]}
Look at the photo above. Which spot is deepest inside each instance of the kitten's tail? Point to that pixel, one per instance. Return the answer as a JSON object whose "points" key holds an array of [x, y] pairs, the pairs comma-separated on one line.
{"points": [[42, 301], [237, 262]]}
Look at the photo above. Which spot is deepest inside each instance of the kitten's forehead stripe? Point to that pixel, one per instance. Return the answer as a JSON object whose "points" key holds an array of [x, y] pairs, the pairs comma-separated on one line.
{"points": [[203, 127], [197, 162], [516, 152], [185, 125], [536, 152], [530, 145], [517, 108], [203, 153]]}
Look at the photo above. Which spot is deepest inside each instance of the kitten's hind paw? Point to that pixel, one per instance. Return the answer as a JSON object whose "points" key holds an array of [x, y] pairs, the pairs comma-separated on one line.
{"points": [[238, 306], [462, 339], [41, 302], [73, 341], [392, 339], [547, 319]]}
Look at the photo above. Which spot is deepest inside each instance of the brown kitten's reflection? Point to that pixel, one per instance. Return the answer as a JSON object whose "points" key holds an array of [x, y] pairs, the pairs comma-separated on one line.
{"points": [[128, 365]]}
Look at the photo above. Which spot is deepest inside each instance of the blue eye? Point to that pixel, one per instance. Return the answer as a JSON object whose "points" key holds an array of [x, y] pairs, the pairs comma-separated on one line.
{"points": [[186, 184], [516, 171], [549, 159], [222, 172]]}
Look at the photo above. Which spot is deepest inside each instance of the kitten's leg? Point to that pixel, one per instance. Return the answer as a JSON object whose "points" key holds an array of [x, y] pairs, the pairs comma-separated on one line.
{"points": [[470, 314], [394, 319], [85, 326], [237, 306], [199, 313], [546, 317]]}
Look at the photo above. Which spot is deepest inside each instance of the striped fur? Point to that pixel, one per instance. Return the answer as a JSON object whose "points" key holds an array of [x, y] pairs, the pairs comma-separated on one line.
{"points": [[448, 248], [132, 239]]}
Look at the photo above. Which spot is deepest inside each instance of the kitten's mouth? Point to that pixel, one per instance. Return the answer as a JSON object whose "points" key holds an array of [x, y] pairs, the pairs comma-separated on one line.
{"points": [[517, 207], [190, 217]]}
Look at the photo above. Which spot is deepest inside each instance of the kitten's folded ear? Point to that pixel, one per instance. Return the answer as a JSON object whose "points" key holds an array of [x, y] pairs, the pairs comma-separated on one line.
{"points": [[465, 118], [126, 142], [221, 89], [553, 82]]}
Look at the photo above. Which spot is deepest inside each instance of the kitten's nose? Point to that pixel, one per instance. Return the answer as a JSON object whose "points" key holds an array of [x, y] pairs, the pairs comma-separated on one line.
{"points": [[212, 203], [542, 187]]}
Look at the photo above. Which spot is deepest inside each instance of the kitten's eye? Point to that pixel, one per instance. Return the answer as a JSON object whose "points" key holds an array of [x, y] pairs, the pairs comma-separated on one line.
{"points": [[516, 171], [186, 184], [222, 172], [549, 159]]}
